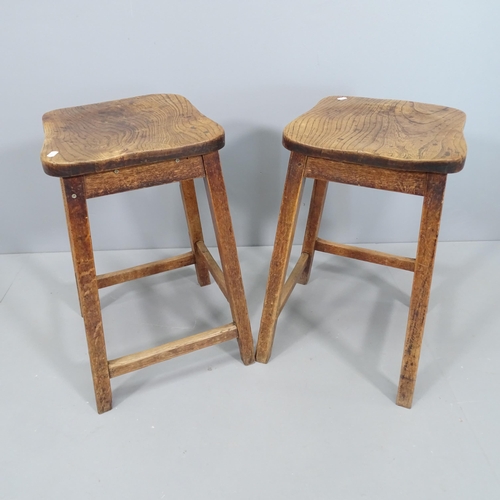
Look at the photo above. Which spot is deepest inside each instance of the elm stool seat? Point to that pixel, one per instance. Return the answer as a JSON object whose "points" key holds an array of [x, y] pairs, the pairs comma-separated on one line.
{"points": [[400, 146], [117, 146]]}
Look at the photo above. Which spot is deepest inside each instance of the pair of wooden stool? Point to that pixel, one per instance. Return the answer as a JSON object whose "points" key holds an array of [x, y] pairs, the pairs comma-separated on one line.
{"points": [[117, 146]]}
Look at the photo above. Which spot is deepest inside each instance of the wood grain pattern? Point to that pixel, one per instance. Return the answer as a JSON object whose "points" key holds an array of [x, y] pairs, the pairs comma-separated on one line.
{"points": [[126, 132], [136, 272], [365, 254], [142, 176], [359, 175], [421, 288], [139, 360], [383, 133], [223, 227], [287, 221], [83, 260]]}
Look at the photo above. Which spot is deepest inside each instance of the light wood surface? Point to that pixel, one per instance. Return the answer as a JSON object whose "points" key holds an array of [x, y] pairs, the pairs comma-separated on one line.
{"points": [[381, 132], [365, 254], [139, 360], [136, 272], [126, 132]]}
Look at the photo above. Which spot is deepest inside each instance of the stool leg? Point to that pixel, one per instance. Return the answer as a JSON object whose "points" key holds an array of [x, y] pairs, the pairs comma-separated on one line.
{"points": [[190, 203], [71, 246], [424, 264], [219, 208], [83, 260], [287, 221], [313, 221]]}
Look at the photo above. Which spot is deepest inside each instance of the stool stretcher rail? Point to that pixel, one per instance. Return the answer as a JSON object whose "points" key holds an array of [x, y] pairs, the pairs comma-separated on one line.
{"points": [[170, 350], [352, 252], [136, 272]]}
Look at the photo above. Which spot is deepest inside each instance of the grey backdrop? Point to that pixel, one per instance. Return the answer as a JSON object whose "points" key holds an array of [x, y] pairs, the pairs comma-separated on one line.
{"points": [[252, 67]]}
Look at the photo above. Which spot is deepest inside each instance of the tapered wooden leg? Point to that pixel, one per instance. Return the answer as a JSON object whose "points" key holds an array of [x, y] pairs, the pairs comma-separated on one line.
{"points": [[190, 203], [226, 243], [287, 221], [83, 260], [71, 245], [318, 197], [424, 264]]}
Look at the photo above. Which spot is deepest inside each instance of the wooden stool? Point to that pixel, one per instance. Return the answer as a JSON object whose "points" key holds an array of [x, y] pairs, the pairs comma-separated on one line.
{"points": [[399, 146], [118, 146]]}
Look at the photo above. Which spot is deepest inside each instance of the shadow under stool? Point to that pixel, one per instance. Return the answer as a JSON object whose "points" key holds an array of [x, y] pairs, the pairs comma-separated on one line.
{"points": [[400, 146], [117, 146]]}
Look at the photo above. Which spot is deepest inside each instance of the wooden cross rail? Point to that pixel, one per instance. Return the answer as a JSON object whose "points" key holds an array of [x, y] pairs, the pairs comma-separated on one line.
{"points": [[353, 252], [170, 350], [133, 273]]}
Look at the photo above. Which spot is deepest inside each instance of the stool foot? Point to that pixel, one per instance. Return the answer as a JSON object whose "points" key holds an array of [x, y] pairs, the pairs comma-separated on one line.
{"points": [[219, 208], [419, 301], [287, 221]]}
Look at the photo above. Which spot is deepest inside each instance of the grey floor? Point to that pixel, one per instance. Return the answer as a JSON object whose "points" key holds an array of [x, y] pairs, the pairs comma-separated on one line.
{"points": [[317, 422]]}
